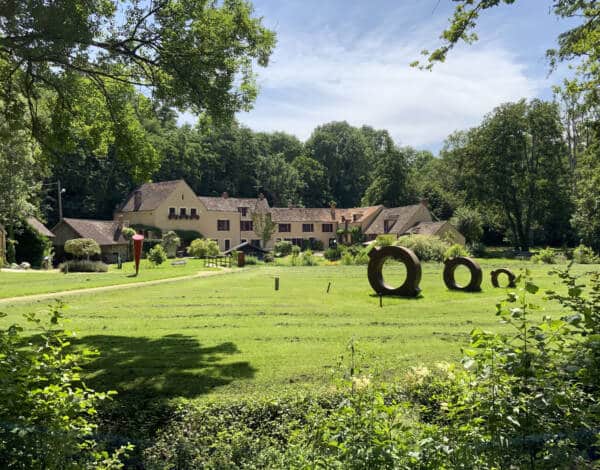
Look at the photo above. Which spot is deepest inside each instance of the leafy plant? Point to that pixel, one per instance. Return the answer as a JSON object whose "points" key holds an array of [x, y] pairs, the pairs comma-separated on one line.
{"points": [[385, 240], [455, 251], [584, 255], [308, 259], [283, 248], [546, 256], [157, 255], [202, 247], [83, 266], [427, 248], [469, 222], [45, 408], [170, 242], [333, 253], [82, 247], [295, 251]]}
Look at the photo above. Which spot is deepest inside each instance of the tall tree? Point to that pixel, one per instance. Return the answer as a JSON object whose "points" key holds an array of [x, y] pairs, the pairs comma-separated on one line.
{"points": [[389, 184], [192, 55], [344, 151], [516, 162], [278, 180], [314, 188]]}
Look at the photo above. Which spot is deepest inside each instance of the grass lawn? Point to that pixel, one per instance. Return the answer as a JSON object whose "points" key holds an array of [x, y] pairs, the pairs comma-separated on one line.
{"points": [[233, 334], [13, 284]]}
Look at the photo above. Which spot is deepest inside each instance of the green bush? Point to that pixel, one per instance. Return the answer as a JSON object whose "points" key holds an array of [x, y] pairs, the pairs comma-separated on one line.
{"points": [[333, 253], [202, 247], [268, 258], [31, 247], [546, 256], [295, 251], [455, 251], [82, 247], [251, 260], [468, 222], [157, 255], [170, 242], [427, 248], [308, 259], [584, 255], [477, 249], [283, 248], [128, 233], [347, 259], [83, 266], [45, 410], [385, 240]]}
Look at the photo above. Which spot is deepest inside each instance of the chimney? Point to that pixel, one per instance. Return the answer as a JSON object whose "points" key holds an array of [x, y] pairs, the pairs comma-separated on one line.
{"points": [[137, 200], [332, 206], [120, 222], [225, 195]]}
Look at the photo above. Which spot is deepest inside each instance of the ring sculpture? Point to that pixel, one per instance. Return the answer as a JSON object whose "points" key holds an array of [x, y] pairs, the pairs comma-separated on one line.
{"points": [[508, 272], [410, 287], [474, 284]]}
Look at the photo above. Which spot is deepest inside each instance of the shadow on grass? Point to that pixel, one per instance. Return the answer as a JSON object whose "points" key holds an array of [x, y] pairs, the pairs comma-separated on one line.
{"points": [[148, 373], [172, 366]]}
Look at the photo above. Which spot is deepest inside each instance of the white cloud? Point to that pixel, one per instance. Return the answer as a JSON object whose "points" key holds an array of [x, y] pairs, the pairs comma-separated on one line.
{"points": [[315, 78]]}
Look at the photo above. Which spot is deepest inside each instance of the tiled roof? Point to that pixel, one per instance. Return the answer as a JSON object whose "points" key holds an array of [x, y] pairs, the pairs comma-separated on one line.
{"points": [[105, 232], [231, 204], [153, 194], [39, 227], [427, 228], [349, 214], [301, 214], [401, 216]]}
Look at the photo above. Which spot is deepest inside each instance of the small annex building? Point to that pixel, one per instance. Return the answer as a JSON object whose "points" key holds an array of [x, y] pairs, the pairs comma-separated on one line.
{"points": [[107, 233]]}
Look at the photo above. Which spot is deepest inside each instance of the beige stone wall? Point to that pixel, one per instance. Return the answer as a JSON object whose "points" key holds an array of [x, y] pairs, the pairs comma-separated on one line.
{"points": [[296, 232]]}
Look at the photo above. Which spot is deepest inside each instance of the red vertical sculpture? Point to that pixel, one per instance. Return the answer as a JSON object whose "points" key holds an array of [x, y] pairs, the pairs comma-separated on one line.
{"points": [[137, 251]]}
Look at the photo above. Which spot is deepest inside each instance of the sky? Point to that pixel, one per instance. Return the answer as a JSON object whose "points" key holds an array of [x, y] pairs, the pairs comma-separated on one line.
{"points": [[349, 60]]}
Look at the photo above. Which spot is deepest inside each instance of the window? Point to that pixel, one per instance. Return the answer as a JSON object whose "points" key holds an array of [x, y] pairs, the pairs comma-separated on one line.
{"points": [[285, 227], [243, 240], [308, 228], [246, 226], [243, 211], [327, 228], [194, 212], [387, 225], [172, 211], [356, 217], [182, 212], [223, 225], [227, 244]]}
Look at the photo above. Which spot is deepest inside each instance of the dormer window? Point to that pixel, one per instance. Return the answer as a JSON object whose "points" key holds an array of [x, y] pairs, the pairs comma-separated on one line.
{"points": [[387, 225], [243, 211]]}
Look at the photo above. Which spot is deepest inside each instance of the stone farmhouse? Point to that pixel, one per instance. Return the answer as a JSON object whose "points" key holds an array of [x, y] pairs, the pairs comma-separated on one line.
{"points": [[173, 205]]}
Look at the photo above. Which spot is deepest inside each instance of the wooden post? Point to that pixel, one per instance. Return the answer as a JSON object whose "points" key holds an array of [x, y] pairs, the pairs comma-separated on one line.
{"points": [[328, 287], [380, 300], [277, 283]]}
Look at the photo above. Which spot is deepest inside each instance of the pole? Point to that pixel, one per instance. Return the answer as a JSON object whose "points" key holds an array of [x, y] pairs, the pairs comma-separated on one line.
{"points": [[60, 211]]}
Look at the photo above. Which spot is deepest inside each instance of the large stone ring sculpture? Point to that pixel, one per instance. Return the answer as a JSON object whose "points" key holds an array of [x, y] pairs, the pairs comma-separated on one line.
{"points": [[410, 287], [476, 274], [508, 272]]}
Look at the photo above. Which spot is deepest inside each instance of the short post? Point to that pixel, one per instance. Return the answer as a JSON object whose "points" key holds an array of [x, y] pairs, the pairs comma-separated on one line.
{"points": [[119, 261], [380, 300], [328, 287], [276, 282]]}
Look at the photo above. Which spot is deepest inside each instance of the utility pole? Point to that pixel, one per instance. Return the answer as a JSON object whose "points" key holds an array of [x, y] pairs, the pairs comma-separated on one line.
{"points": [[60, 211]]}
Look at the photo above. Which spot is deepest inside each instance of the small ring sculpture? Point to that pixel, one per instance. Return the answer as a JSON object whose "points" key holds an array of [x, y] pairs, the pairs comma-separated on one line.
{"points": [[474, 284], [378, 256], [508, 272]]}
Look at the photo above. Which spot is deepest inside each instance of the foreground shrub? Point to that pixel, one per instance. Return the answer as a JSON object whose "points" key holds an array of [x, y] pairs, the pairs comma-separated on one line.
{"points": [[45, 409], [455, 251], [427, 248], [83, 266], [385, 240], [251, 260], [82, 247], [157, 255], [333, 253], [584, 255], [283, 248], [295, 251], [202, 247]]}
